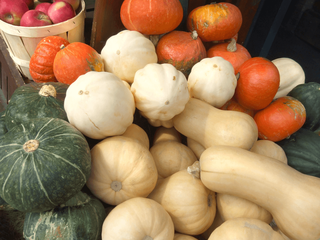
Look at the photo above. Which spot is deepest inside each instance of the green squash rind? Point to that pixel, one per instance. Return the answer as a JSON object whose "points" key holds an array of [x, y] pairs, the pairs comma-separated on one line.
{"points": [[3, 127], [27, 103], [50, 175]]}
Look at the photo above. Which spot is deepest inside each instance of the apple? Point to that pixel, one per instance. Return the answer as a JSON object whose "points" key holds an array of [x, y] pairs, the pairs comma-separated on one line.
{"points": [[12, 11], [43, 7], [61, 11], [30, 3], [35, 18], [74, 3]]}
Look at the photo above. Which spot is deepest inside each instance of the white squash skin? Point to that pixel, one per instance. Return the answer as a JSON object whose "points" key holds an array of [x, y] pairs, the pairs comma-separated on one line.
{"points": [[160, 91], [127, 52], [196, 147], [213, 81], [291, 75], [179, 236]]}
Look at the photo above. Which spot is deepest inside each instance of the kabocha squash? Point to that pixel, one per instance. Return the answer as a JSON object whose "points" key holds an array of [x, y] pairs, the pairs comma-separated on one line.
{"points": [[138, 218], [213, 81], [281, 118], [215, 21], [294, 204], [36, 100], [126, 52], [245, 229], [41, 61], [190, 204], [181, 49], [81, 217], [122, 168], [99, 105], [302, 151], [211, 126], [151, 18], [309, 95], [233, 105], [291, 75], [74, 60], [3, 127], [44, 162], [160, 92]]}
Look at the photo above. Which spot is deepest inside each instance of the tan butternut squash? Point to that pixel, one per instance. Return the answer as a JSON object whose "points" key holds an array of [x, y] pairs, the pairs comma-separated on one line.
{"points": [[270, 149], [290, 196], [196, 147]]}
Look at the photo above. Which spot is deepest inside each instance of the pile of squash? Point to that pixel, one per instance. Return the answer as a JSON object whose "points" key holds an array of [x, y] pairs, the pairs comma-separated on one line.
{"points": [[164, 135]]}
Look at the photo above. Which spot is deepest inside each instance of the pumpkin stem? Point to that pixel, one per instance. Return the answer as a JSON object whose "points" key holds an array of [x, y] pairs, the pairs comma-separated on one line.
{"points": [[232, 46], [238, 76], [48, 91], [147, 238], [77, 200], [31, 145], [194, 169], [194, 34]]}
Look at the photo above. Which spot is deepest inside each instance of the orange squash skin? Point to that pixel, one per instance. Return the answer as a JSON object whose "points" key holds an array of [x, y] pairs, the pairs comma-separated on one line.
{"points": [[283, 117], [75, 60], [215, 21], [233, 105], [152, 17]]}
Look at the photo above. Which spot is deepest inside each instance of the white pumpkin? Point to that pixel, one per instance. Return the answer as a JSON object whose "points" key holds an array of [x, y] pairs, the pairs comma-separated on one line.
{"points": [[99, 105], [126, 52], [291, 75], [160, 92], [213, 81]]}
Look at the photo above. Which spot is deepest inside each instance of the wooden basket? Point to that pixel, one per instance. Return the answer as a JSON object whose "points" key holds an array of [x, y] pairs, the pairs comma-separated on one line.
{"points": [[22, 41]]}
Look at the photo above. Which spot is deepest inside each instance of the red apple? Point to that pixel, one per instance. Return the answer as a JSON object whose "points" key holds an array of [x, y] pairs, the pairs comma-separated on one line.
{"points": [[12, 11], [35, 18], [74, 3], [30, 3], [60, 12], [43, 7]]}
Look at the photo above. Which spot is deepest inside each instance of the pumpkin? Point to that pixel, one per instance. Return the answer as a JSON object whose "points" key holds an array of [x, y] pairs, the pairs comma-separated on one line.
{"points": [[163, 134], [81, 217], [151, 18], [258, 83], [171, 156], [213, 81], [99, 105], [293, 204], [190, 204], [181, 49], [74, 60], [36, 157], [280, 119], [216, 223], [233, 52], [41, 61], [196, 147], [179, 236], [233, 105], [211, 126], [36, 100], [309, 95], [291, 75], [160, 92], [215, 21], [126, 52], [122, 168], [138, 218], [245, 229], [302, 151]]}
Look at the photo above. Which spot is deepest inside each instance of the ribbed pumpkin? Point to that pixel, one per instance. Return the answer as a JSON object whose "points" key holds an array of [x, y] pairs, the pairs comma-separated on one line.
{"points": [[75, 60], [44, 162], [151, 17], [81, 217], [215, 21], [233, 105], [181, 49], [41, 61], [36, 100]]}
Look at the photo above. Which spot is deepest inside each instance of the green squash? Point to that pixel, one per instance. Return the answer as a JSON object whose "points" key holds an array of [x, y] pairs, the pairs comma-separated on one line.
{"points": [[309, 95], [3, 127], [79, 218], [36, 100], [302, 149], [43, 162]]}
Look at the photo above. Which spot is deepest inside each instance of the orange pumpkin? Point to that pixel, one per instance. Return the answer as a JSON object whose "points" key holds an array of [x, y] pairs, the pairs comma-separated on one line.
{"points": [[181, 49], [258, 83], [215, 21], [283, 117], [233, 105], [41, 61], [152, 17], [233, 52], [75, 60]]}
